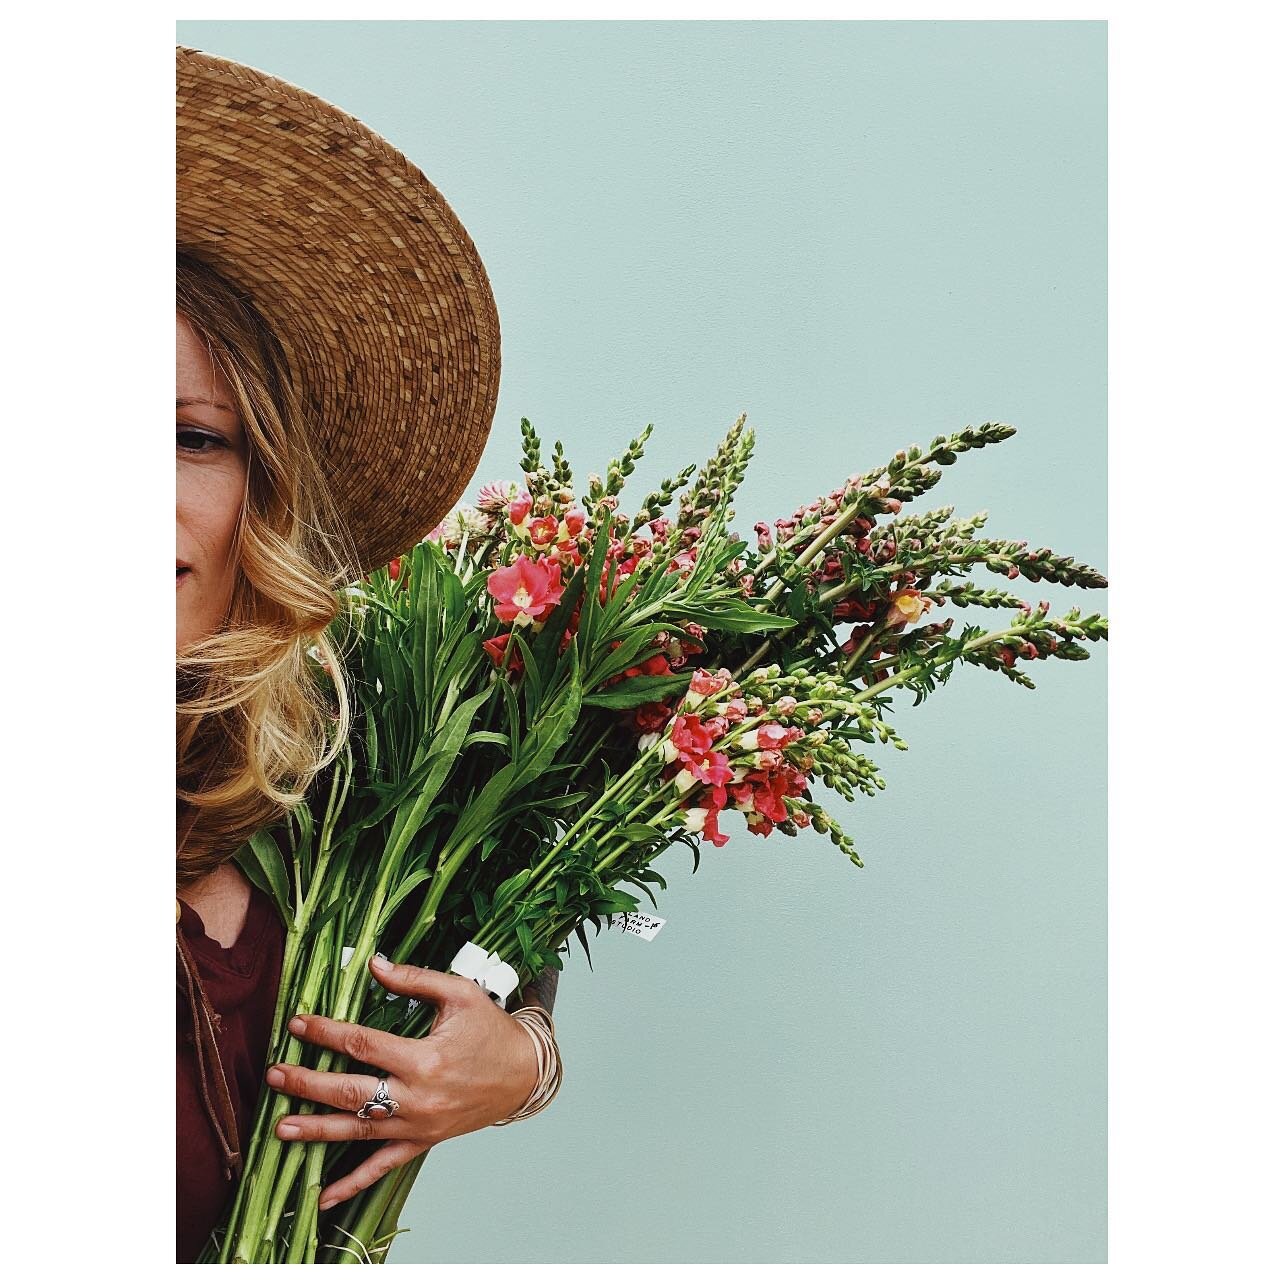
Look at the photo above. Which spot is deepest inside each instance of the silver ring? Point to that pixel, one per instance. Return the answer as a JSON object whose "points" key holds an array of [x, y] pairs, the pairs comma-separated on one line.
{"points": [[381, 1105]]}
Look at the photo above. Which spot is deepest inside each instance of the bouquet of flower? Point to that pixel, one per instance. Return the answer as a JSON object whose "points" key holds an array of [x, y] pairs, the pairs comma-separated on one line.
{"points": [[550, 691]]}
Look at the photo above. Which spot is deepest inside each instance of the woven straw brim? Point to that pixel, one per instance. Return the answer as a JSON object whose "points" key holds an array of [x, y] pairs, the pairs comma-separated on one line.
{"points": [[370, 281]]}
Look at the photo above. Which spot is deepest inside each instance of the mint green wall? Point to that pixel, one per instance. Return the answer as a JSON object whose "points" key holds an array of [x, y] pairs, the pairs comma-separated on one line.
{"points": [[863, 234]]}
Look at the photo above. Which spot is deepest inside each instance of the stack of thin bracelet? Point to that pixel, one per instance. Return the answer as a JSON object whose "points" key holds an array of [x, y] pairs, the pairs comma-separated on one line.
{"points": [[539, 1025]]}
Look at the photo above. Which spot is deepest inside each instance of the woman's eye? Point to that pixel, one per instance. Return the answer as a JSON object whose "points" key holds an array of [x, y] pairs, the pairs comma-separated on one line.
{"points": [[196, 440]]}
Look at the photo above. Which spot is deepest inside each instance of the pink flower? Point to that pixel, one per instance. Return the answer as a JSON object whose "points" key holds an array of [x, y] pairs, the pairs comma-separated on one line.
{"points": [[542, 530], [771, 735], [711, 830], [717, 726], [684, 562], [706, 684], [496, 496], [697, 632], [519, 510], [526, 591]]}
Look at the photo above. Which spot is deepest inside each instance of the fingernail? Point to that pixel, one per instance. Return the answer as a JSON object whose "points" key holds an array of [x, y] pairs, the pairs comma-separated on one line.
{"points": [[379, 963], [297, 1025], [287, 1131], [326, 1203], [276, 1077]]}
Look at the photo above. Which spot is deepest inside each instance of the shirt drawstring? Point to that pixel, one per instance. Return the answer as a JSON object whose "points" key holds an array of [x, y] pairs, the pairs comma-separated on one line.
{"points": [[214, 1090]]}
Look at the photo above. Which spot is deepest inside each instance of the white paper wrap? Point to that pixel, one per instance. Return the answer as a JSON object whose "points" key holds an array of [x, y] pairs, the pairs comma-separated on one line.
{"points": [[488, 970]]}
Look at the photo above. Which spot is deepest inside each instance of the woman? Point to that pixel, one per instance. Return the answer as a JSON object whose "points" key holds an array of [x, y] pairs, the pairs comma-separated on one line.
{"points": [[337, 368]]}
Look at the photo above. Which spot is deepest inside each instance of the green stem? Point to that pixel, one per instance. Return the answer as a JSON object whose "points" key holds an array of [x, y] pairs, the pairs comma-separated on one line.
{"points": [[255, 1226], [380, 1210], [839, 524], [303, 1233]]}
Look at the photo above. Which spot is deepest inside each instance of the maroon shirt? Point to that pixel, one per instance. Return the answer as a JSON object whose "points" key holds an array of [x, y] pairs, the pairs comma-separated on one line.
{"points": [[241, 982]]}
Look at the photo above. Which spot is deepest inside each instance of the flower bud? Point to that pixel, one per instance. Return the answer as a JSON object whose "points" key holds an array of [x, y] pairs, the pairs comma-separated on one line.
{"points": [[693, 819]]}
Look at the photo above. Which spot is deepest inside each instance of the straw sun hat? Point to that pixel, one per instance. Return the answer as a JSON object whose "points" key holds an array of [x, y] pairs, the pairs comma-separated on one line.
{"points": [[366, 275]]}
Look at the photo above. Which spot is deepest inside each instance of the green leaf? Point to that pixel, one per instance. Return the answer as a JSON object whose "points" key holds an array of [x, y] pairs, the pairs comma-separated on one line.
{"points": [[636, 691], [419, 877], [645, 888], [442, 758], [262, 863], [639, 833], [321, 918], [525, 939], [532, 680], [510, 887], [735, 616], [583, 935]]}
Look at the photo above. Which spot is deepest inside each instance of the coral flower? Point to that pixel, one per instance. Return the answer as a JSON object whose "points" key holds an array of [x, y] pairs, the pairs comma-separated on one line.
{"points": [[654, 666], [711, 768], [691, 738], [572, 524], [495, 648], [651, 716], [907, 606], [526, 591]]}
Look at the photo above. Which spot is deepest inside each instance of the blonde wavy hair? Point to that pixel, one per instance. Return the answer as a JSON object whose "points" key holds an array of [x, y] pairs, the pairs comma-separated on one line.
{"points": [[262, 705]]}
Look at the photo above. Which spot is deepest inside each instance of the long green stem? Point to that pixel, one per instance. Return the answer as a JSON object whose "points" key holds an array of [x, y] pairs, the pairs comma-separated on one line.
{"points": [[380, 1210], [836, 527], [256, 1226]]}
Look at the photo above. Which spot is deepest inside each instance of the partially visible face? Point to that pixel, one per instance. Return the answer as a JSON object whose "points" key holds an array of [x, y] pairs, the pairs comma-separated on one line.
{"points": [[212, 464]]}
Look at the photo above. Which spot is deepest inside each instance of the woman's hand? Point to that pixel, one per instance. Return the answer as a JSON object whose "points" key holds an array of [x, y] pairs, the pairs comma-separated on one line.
{"points": [[476, 1067]]}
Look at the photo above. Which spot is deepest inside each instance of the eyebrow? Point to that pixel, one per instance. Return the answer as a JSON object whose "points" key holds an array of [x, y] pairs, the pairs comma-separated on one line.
{"points": [[180, 402]]}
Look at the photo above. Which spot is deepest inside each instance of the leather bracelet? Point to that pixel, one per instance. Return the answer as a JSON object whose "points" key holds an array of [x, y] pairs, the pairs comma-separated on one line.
{"points": [[548, 1059]]}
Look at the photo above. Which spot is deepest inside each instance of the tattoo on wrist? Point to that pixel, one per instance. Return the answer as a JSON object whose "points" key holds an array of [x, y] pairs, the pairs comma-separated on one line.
{"points": [[542, 990]]}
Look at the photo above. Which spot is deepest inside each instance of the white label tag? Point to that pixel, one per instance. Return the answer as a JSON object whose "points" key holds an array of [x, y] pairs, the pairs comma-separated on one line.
{"points": [[638, 924]]}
